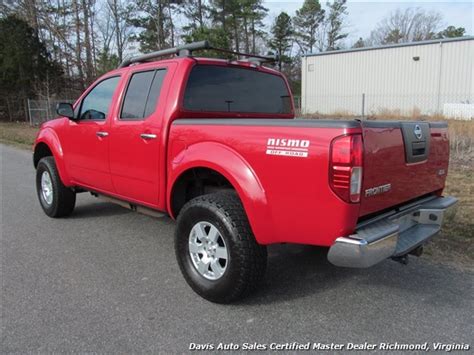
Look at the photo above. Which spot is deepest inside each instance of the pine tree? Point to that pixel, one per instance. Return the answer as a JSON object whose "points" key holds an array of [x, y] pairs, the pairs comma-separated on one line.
{"points": [[281, 33], [26, 69], [452, 32], [335, 18], [306, 22], [359, 44], [154, 20], [252, 13]]}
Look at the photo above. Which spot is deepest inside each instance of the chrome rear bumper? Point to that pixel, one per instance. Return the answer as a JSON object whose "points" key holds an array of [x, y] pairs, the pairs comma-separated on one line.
{"points": [[392, 234]]}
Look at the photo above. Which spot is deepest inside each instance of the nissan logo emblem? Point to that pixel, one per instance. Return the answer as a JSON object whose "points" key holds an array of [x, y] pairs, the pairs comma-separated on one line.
{"points": [[418, 132]]}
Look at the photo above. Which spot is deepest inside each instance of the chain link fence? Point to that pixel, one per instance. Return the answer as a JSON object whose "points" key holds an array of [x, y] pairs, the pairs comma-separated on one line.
{"points": [[459, 107], [40, 111], [453, 106]]}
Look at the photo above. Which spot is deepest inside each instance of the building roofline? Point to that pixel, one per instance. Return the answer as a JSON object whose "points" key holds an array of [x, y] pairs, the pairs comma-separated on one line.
{"points": [[409, 44]]}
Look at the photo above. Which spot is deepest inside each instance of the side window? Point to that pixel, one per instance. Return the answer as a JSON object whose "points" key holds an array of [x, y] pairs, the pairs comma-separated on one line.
{"points": [[142, 94], [95, 106]]}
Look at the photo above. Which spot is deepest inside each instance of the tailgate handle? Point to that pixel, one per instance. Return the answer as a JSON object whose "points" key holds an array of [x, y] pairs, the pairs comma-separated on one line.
{"points": [[418, 148], [416, 139]]}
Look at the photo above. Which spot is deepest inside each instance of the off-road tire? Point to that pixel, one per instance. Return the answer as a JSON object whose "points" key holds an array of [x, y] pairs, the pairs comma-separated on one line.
{"points": [[247, 259], [64, 199]]}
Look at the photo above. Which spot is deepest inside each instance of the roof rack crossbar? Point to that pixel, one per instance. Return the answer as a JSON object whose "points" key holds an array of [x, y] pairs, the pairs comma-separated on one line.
{"points": [[187, 49], [183, 50]]}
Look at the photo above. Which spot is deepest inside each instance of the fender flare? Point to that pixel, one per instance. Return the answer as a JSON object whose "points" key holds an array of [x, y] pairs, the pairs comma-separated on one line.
{"points": [[237, 171], [49, 137]]}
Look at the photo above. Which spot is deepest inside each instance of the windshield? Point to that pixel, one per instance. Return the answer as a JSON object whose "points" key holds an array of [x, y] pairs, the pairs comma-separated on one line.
{"points": [[213, 88]]}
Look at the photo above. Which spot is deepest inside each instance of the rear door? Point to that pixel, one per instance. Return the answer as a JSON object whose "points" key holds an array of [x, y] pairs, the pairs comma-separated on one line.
{"points": [[135, 136], [402, 161]]}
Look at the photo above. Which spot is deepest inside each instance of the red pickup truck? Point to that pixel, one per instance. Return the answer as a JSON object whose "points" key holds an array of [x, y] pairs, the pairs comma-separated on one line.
{"points": [[214, 144]]}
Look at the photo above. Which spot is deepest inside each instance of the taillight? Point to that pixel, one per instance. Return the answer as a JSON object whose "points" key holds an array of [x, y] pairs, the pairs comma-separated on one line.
{"points": [[345, 167]]}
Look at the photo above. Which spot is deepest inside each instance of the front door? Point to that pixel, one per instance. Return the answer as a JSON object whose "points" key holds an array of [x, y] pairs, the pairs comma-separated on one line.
{"points": [[86, 144], [135, 137]]}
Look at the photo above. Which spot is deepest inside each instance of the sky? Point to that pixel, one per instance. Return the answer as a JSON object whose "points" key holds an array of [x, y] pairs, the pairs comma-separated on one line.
{"points": [[363, 16]]}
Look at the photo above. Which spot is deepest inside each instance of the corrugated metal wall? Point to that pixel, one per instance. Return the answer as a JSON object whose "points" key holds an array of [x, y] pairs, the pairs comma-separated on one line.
{"points": [[414, 79]]}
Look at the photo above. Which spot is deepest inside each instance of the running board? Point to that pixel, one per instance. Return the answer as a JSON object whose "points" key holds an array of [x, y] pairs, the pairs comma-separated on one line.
{"points": [[136, 208]]}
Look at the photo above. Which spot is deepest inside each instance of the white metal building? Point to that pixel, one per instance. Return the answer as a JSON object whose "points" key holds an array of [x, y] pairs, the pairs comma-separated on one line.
{"points": [[429, 77]]}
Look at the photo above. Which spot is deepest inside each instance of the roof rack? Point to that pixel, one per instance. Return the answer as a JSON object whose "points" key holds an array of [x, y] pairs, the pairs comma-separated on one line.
{"points": [[186, 50]]}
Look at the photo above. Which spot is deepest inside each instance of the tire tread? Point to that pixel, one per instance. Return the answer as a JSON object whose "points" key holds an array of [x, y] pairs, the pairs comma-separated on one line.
{"points": [[252, 255], [64, 198]]}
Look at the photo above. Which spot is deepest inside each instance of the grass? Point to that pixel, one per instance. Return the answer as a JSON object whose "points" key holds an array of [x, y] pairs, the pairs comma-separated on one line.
{"points": [[454, 245], [18, 134]]}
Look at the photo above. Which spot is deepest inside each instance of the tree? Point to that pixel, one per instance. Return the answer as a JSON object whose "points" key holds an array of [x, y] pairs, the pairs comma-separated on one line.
{"points": [[216, 36], [335, 19], [359, 44], [86, 17], [451, 32], [120, 11], [154, 23], [106, 62], [281, 34], [306, 23], [26, 69], [226, 16], [196, 12], [407, 25], [252, 13], [219, 13]]}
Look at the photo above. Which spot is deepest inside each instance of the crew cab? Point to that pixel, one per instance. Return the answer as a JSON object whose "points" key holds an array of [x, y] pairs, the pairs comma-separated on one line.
{"points": [[215, 145]]}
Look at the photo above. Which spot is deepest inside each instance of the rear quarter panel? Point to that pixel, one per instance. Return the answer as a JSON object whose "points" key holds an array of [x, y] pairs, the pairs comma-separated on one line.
{"points": [[295, 203]]}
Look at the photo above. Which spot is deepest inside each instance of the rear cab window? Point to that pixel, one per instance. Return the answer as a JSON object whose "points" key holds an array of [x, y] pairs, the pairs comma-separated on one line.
{"points": [[215, 88], [141, 97]]}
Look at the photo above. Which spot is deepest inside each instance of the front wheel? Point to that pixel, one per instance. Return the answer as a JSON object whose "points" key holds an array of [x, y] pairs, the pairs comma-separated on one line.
{"points": [[216, 250], [56, 199]]}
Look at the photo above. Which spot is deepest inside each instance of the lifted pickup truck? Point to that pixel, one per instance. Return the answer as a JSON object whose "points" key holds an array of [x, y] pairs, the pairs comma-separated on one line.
{"points": [[214, 144]]}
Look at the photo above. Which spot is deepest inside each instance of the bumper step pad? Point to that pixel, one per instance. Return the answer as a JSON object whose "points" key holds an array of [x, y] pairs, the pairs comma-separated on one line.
{"points": [[394, 235]]}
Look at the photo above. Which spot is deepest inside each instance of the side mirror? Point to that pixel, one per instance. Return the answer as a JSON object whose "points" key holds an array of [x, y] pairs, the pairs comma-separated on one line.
{"points": [[65, 109]]}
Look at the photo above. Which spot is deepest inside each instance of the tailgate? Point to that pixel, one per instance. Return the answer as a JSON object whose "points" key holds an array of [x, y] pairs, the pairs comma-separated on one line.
{"points": [[402, 161]]}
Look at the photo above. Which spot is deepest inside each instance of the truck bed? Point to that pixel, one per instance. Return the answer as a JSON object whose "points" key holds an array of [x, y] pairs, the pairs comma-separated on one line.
{"points": [[290, 159]]}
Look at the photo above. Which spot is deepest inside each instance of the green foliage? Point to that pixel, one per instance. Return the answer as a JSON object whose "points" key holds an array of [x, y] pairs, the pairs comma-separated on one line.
{"points": [[337, 11], [394, 36], [23, 58], [106, 62], [25, 66], [232, 24], [452, 32], [216, 36], [306, 22], [281, 34], [154, 24], [281, 40], [359, 44]]}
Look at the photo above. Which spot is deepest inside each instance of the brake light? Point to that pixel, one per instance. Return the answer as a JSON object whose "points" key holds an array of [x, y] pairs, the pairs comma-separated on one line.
{"points": [[345, 167]]}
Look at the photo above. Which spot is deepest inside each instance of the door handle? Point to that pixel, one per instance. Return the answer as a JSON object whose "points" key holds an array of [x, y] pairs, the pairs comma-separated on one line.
{"points": [[148, 135], [101, 134]]}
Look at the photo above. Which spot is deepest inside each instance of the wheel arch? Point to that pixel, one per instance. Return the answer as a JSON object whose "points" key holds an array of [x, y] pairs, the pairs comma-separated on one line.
{"points": [[234, 173], [47, 144]]}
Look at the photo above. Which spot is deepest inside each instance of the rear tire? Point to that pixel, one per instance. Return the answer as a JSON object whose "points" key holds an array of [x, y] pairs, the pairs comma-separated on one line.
{"points": [[56, 199], [238, 268]]}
